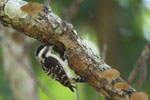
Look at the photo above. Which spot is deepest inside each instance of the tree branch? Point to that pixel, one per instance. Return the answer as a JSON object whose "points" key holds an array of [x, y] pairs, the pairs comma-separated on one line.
{"points": [[142, 60], [47, 27]]}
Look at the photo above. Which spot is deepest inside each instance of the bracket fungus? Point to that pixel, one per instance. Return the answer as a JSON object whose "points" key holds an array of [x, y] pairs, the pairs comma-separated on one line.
{"points": [[110, 74], [121, 86], [32, 8], [139, 96]]}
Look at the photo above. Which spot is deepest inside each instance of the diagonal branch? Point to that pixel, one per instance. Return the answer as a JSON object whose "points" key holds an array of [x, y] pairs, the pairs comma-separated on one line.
{"points": [[47, 27], [142, 60]]}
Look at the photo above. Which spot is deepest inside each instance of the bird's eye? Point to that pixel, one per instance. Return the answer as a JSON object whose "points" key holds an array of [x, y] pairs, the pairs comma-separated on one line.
{"points": [[43, 55]]}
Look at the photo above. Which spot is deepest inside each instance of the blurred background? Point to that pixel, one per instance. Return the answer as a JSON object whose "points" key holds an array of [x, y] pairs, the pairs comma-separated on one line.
{"points": [[119, 27]]}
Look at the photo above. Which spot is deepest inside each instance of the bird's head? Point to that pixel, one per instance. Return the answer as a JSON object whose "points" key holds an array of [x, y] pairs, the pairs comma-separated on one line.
{"points": [[42, 51]]}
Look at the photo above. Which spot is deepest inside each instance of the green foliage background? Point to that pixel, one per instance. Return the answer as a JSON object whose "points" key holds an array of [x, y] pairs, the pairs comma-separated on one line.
{"points": [[130, 17]]}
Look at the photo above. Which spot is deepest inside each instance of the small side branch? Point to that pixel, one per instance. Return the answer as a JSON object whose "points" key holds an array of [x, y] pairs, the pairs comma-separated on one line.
{"points": [[141, 62]]}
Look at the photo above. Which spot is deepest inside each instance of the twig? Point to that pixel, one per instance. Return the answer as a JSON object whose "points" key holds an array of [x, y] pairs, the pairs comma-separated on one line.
{"points": [[140, 79], [144, 78], [103, 55], [143, 58], [77, 91]]}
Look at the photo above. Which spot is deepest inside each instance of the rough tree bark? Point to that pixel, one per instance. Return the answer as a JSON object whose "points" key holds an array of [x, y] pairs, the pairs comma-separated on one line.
{"points": [[47, 27]]}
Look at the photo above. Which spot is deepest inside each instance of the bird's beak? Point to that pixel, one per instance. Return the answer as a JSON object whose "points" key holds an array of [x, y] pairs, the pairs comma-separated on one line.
{"points": [[47, 49]]}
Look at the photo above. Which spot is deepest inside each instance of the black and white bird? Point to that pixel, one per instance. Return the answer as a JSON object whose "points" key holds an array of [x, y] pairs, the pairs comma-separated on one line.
{"points": [[55, 67]]}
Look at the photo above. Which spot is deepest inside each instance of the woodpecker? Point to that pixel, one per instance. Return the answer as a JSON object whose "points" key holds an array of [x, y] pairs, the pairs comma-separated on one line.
{"points": [[55, 67]]}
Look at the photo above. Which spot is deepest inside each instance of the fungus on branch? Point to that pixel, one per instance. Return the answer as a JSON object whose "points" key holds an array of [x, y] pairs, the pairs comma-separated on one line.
{"points": [[111, 74], [32, 8], [121, 86], [139, 96]]}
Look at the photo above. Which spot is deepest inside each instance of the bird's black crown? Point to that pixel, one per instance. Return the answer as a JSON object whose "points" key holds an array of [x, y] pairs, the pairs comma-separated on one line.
{"points": [[39, 49]]}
